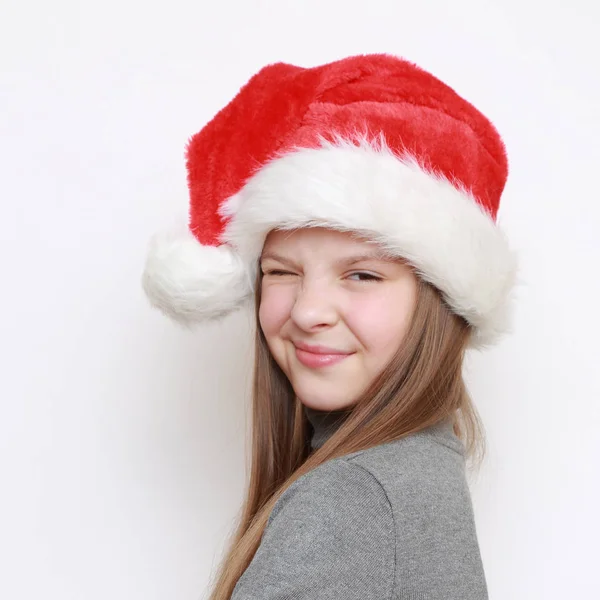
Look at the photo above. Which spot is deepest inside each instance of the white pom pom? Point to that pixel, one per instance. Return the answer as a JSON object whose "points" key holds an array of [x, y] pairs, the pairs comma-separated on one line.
{"points": [[190, 282]]}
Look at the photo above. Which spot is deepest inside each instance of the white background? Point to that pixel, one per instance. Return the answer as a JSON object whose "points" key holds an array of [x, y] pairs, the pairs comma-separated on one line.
{"points": [[122, 436]]}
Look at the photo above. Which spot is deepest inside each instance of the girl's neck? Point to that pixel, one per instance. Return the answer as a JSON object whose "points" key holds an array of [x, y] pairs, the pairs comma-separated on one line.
{"points": [[324, 423]]}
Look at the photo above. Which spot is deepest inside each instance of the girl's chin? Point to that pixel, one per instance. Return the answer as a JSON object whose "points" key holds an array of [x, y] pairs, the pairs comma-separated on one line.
{"points": [[321, 396]]}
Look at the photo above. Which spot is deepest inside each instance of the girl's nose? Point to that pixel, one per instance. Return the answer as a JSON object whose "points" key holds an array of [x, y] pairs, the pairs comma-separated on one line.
{"points": [[314, 307]]}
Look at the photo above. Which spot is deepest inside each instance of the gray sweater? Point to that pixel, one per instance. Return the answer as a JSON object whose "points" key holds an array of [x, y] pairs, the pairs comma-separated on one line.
{"points": [[394, 522]]}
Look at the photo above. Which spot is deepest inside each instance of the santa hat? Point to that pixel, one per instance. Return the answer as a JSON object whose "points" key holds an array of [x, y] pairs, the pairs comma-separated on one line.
{"points": [[371, 144]]}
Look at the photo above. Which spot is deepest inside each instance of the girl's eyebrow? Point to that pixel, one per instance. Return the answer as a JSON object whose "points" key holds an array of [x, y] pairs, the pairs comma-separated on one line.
{"points": [[345, 261]]}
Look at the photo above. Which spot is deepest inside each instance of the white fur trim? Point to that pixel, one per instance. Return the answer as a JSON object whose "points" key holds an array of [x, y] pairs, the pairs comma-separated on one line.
{"points": [[441, 229], [190, 282]]}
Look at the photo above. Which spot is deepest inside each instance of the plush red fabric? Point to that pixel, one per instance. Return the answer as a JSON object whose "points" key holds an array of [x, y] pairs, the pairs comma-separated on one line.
{"points": [[285, 105]]}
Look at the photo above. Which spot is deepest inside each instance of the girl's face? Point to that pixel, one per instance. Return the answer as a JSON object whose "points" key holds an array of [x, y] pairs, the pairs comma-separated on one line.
{"points": [[333, 311]]}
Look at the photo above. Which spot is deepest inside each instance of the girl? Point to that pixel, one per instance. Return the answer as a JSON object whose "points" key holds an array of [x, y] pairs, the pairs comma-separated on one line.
{"points": [[356, 203]]}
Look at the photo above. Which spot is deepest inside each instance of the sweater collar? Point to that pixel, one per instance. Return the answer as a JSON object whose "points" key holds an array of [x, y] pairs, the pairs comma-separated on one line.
{"points": [[324, 423]]}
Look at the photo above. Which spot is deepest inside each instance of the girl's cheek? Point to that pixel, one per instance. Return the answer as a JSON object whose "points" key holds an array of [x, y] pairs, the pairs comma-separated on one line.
{"points": [[364, 317], [376, 321], [275, 307]]}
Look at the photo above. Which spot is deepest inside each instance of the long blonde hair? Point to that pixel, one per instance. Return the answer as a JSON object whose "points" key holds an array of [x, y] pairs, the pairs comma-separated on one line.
{"points": [[421, 385]]}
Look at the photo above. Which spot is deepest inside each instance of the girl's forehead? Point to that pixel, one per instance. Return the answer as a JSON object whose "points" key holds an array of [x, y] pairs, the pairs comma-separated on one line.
{"points": [[323, 243], [309, 236]]}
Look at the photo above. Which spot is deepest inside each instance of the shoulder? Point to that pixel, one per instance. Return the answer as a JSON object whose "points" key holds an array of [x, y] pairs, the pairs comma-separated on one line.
{"points": [[340, 487], [432, 457], [329, 535], [424, 479], [420, 471], [429, 464]]}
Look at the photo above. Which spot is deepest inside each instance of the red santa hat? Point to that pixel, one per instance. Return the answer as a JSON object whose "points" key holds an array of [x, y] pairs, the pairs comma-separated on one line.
{"points": [[370, 143]]}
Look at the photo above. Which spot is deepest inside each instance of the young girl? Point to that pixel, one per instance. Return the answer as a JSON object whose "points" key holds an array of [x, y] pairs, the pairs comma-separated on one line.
{"points": [[356, 203]]}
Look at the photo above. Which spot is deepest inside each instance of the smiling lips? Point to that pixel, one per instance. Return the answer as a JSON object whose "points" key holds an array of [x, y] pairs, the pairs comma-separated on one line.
{"points": [[318, 356]]}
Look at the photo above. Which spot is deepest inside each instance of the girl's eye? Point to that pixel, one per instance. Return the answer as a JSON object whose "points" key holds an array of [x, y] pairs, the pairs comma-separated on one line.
{"points": [[361, 276], [365, 276], [277, 272]]}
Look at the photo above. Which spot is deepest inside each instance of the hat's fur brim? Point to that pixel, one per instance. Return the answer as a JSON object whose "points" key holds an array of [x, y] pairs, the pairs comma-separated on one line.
{"points": [[433, 223]]}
